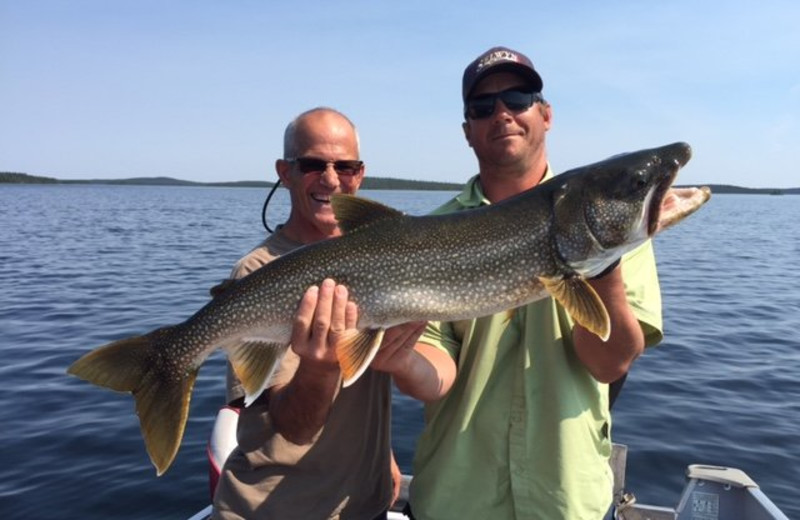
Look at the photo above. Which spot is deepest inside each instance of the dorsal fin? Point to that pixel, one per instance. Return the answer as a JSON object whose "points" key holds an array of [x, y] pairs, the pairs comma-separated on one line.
{"points": [[353, 212]]}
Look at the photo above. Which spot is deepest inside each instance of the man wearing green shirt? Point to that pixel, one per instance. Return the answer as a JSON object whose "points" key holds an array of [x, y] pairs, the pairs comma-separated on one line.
{"points": [[524, 433]]}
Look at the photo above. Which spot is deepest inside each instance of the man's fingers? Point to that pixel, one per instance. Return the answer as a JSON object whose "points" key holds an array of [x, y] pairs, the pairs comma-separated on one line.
{"points": [[415, 330], [301, 329], [339, 309], [351, 315], [322, 316], [398, 343], [405, 335]]}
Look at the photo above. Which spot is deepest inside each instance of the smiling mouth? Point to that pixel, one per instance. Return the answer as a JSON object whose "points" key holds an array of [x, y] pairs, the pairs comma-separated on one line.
{"points": [[322, 199], [504, 135]]}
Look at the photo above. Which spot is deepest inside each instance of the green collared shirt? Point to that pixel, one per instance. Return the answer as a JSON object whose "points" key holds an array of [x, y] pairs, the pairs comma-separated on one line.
{"points": [[525, 431]]}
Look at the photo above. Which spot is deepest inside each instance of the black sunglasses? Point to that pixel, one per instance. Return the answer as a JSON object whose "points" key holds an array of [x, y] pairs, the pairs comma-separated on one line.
{"points": [[309, 165], [515, 99]]}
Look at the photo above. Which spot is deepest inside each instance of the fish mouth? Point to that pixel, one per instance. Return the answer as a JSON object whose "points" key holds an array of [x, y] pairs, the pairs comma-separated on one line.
{"points": [[679, 203], [656, 202], [667, 204]]}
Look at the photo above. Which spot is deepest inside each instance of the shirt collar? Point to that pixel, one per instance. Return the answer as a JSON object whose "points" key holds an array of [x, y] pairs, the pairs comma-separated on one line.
{"points": [[472, 195]]}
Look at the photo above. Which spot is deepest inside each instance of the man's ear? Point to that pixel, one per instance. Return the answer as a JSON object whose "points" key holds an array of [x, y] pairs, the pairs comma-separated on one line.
{"points": [[467, 132], [547, 115], [283, 169]]}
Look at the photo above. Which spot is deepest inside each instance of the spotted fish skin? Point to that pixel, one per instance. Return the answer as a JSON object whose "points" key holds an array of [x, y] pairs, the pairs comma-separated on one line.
{"points": [[398, 268]]}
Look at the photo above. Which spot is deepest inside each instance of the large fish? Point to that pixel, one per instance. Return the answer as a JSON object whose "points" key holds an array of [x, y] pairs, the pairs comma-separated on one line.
{"points": [[399, 268]]}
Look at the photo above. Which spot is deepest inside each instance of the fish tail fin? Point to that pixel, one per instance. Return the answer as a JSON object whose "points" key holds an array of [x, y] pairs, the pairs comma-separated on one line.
{"points": [[162, 399], [355, 352]]}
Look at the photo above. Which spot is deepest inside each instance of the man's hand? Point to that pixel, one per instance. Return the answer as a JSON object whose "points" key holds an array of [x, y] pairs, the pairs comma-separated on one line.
{"points": [[322, 317], [325, 314], [397, 348], [300, 408], [397, 480]]}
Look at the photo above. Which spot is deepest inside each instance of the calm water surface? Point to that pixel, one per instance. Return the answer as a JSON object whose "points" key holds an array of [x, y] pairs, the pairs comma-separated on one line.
{"points": [[84, 265]]}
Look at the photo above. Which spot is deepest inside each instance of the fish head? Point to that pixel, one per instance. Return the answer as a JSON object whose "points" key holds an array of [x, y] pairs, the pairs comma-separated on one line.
{"points": [[605, 209]]}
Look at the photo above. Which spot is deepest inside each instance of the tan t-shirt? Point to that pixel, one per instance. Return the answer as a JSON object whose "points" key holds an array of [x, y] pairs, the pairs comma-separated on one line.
{"points": [[274, 246], [343, 474]]}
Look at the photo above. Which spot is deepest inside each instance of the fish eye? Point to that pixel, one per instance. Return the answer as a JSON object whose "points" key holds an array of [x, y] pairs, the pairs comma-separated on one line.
{"points": [[640, 180]]}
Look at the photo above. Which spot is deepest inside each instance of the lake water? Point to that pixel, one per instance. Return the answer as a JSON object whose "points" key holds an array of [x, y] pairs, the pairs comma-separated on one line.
{"points": [[84, 265]]}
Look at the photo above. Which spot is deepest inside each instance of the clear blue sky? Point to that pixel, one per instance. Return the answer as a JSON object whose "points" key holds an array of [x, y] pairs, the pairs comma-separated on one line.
{"points": [[202, 90]]}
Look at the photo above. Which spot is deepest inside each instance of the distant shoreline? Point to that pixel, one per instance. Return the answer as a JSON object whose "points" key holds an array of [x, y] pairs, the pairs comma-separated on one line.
{"points": [[370, 183]]}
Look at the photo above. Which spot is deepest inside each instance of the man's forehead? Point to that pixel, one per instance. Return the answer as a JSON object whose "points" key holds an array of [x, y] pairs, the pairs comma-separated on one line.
{"points": [[327, 146], [325, 129]]}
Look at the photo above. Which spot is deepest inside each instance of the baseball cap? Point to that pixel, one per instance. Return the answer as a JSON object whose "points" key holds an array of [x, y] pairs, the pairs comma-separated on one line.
{"points": [[499, 59]]}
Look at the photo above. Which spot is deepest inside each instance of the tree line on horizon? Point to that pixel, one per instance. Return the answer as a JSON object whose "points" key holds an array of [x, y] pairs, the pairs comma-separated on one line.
{"points": [[373, 183], [24, 178]]}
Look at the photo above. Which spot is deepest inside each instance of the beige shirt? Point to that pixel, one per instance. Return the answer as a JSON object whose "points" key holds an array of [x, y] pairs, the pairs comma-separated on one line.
{"points": [[344, 473], [274, 246]]}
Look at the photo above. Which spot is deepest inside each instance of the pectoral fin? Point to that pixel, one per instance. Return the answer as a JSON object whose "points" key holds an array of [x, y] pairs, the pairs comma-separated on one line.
{"points": [[355, 352], [582, 303], [254, 361]]}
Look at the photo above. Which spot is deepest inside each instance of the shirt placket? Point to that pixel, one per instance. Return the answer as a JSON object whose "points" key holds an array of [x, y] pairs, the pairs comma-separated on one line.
{"points": [[519, 464]]}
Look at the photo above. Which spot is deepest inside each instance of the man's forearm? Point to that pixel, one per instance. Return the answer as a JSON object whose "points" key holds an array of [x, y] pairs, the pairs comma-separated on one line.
{"points": [[429, 374], [610, 360], [300, 408]]}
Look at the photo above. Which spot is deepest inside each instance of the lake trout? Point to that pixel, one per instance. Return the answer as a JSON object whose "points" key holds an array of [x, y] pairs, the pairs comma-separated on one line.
{"points": [[544, 242]]}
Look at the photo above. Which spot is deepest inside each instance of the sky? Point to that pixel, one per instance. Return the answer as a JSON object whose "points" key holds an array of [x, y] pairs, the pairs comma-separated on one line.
{"points": [[202, 90]]}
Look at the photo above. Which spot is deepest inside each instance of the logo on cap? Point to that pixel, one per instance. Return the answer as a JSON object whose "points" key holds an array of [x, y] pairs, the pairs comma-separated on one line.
{"points": [[492, 58]]}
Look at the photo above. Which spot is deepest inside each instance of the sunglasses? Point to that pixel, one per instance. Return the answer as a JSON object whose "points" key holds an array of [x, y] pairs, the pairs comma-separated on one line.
{"points": [[515, 99], [345, 168]]}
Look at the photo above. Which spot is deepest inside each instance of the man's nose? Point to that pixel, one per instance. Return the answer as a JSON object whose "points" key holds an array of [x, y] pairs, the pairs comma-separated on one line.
{"points": [[329, 175]]}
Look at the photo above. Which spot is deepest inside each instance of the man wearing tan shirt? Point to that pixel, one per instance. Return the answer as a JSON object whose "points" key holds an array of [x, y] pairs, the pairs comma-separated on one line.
{"points": [[308, 448]]}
